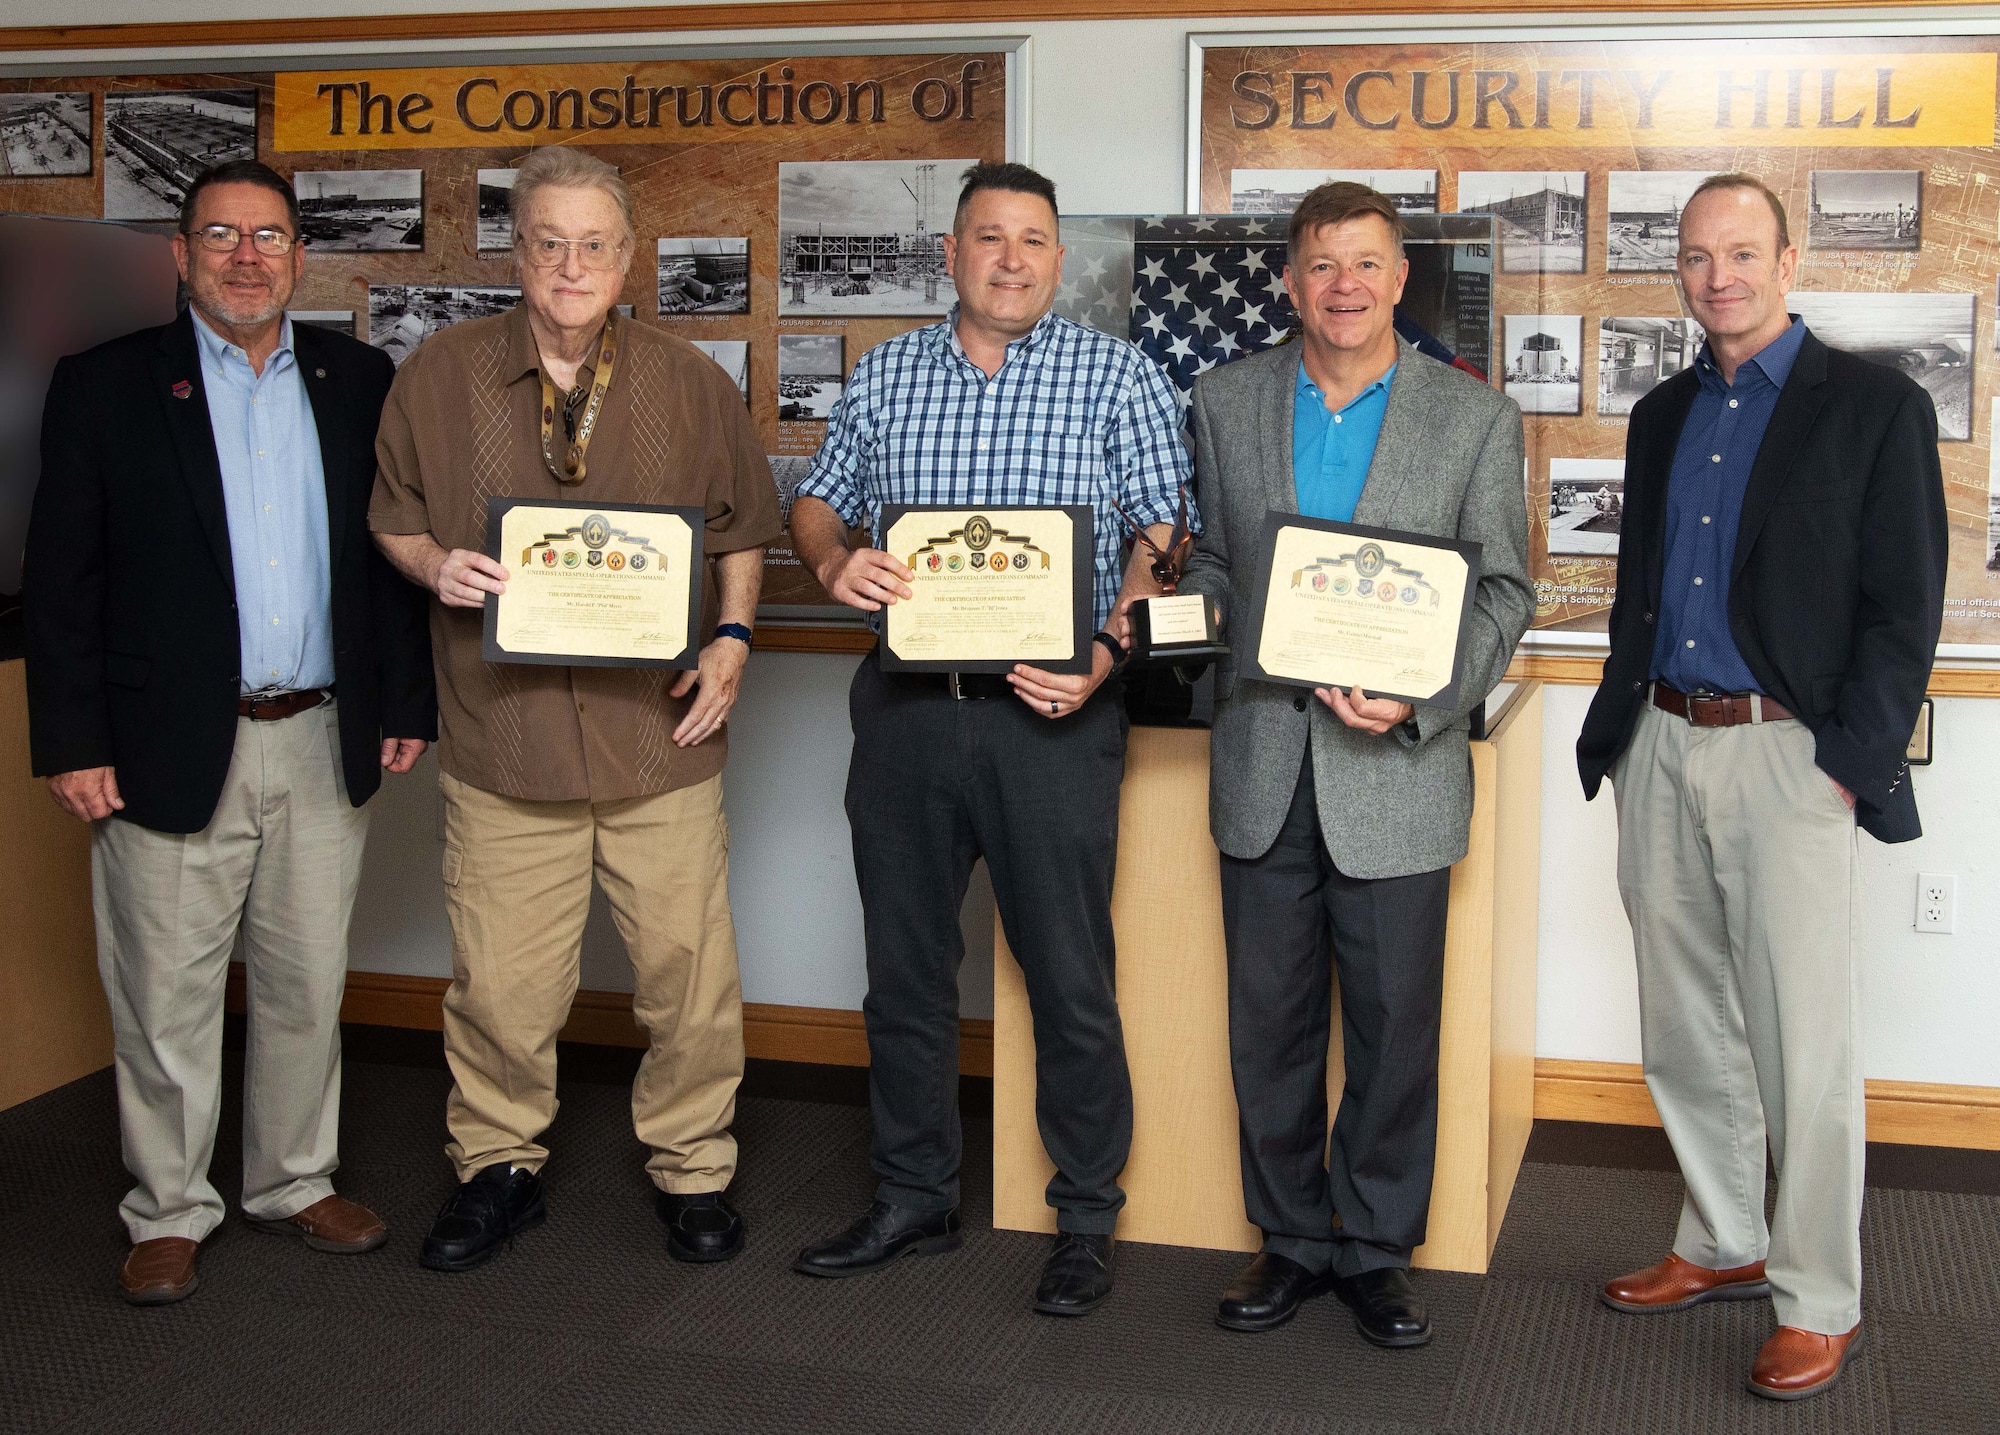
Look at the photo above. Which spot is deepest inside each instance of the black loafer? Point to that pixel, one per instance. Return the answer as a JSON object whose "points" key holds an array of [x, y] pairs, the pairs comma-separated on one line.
{"points": [[701, 1228], [483, 1215], [1268, 1293], [883, 1234], [1387, 1309], [1076, 1279]]}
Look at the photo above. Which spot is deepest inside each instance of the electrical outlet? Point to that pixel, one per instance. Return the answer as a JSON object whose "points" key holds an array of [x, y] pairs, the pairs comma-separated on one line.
{"points": [[1937, 901]]}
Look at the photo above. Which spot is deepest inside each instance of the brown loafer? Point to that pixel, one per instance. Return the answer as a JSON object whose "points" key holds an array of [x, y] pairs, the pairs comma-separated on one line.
{"points": [[159, 1272], [1675, 1284], [334, 1224], [1797, 1363]]}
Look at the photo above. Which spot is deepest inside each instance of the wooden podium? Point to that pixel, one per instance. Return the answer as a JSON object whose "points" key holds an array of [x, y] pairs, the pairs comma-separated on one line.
{"points": [[1183, 1184]]}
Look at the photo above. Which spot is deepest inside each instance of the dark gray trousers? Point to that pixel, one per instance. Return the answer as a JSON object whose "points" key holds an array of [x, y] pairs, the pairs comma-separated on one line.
{"points": [[934, 785], [1291, 920]]}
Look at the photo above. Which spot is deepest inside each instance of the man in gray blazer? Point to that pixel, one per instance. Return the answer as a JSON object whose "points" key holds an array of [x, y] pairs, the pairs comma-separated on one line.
{"points": [[1339, 819]]}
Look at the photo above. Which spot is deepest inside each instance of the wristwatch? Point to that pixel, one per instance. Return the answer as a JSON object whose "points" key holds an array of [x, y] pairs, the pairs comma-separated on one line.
{"points": [[737, 631], [1112, 646]]}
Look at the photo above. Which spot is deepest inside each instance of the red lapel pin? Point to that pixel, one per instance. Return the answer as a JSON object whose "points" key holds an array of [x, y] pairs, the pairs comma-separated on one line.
{"points": [[183, 389]]}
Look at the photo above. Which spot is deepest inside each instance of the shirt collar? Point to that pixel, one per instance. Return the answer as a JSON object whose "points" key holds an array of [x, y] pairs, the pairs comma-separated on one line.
{"points": [[524, 356], [216, 348], [947, 337], [1306, 385], [1774, 361]]}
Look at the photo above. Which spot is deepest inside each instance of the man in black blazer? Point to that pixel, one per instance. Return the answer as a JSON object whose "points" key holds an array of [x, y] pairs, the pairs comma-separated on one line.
{"points": [[1780, 590], [220, 665]]}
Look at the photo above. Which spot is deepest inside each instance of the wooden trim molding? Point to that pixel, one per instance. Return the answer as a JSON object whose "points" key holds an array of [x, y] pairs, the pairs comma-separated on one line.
{"points": [[789, 15], [1578, 671], [1907, 1113], [821, 1035], [776, 638]]}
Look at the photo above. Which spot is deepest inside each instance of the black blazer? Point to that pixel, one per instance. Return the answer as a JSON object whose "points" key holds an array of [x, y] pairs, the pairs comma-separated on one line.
{"points": [[1836, 592], [128, 591]]}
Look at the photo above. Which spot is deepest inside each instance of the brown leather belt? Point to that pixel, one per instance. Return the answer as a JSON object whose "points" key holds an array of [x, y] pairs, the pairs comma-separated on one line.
{"points": [[270, 707], [1720, 709]]}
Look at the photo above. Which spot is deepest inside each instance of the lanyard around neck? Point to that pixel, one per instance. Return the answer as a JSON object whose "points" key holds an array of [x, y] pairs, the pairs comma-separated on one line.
{"points": [[573, 468]]}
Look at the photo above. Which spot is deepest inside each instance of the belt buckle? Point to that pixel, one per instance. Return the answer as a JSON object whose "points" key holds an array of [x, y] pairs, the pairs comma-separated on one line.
{"points": [[951, 685], [1702, 695]]}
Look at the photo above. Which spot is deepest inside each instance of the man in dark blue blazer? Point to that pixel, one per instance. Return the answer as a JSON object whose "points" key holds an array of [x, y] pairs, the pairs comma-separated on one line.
{"points": [[220, 666], [1780, 590]]}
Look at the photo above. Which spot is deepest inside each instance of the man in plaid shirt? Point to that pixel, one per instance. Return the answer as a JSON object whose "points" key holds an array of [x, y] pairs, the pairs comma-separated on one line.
{"points": [[1002, 404]]}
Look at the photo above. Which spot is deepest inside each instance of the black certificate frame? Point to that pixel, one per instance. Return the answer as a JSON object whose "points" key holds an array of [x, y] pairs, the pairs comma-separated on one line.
{"points": [[1267, 543], [1083, 611], [690, 654]]}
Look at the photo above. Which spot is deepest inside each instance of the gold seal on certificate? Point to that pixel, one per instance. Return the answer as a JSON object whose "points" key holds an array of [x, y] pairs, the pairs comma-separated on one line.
{"points": [[993, 587], [594, 586], [1346, 606]]}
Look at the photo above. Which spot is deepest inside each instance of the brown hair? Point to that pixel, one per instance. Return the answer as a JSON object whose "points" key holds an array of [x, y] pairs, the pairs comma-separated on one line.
{"points": [[1751, 182], [1336, 203]]}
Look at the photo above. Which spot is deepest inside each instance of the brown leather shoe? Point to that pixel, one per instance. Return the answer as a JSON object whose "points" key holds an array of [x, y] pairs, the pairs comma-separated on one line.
{"points": [[334, 1224], [1796, 1363], [159, 1272], [1675, 1284]]}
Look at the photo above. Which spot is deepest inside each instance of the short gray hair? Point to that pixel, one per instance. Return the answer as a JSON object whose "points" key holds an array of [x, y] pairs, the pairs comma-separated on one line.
{"points": [[561, 167]]}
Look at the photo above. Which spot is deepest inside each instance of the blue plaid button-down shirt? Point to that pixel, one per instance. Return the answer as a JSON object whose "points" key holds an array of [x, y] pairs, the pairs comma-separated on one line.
{"points": [[1072, 417]]}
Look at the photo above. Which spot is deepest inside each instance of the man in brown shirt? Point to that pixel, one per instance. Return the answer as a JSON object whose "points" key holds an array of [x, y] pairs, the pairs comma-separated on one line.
{"points": [[551, 772]]}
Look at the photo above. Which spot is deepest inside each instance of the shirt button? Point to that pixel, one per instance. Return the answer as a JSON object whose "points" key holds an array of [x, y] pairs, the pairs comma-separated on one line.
{"points": [[1712, 458], [1697, 582], [1336, 418], [1704, 518], [260, 453], [985, 443], [1732, 403], [275, 622], [1690, 642], [274, 564]]}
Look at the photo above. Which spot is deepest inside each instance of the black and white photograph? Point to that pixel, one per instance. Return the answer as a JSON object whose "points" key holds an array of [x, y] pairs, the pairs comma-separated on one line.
{"points": [[1927, 336], [734, 357], [1866, 209], [42, 133], [1278, 191], [866, 236], [361, 211], [1541, 216], [809, 375], [341, 321], [402, 316], [1635, 355], [1993, 500], [157, 141], [1642, 232], [495, 223], [788, 471], [1544, 372], [1586, 504], [704, 276]]}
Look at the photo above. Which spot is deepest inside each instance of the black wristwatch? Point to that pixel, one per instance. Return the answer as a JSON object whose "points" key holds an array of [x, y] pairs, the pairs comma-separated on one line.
{"points": [[1112, 646], [737, 631]]}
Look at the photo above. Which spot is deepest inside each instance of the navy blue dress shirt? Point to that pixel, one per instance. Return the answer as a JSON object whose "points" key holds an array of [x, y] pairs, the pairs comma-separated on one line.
{"points": [[1718, 445]]}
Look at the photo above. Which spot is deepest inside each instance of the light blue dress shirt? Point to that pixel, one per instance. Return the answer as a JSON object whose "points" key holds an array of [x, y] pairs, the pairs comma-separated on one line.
{"points": [[1331, 452], [274, 493]]}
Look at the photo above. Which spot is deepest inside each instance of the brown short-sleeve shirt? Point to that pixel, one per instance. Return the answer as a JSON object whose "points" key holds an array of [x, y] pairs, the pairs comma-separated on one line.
{"points": [[463, 424]]}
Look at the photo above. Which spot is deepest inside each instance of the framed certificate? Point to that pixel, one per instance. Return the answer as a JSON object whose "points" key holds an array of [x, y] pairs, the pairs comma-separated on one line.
{"points": [[594, 586], [1345, 606], [994, 587]]}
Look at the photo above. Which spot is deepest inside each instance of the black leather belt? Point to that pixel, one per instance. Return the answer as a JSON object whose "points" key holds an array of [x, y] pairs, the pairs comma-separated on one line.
{"points": [[966, 687], [270, 707], [1718, 709]]}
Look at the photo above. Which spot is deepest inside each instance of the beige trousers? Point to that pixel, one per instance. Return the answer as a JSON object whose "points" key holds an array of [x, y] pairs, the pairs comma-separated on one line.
{"points": [[1739, 867], [279, 862], [517, 885]]}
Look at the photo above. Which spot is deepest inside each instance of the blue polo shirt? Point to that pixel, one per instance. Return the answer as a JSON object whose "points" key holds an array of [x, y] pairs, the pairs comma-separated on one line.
{"points": [[1331, 451], [1718, 446]]}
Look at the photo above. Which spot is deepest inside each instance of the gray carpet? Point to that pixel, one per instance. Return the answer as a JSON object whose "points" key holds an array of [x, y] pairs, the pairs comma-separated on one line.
{"points": [[588, 1326]]}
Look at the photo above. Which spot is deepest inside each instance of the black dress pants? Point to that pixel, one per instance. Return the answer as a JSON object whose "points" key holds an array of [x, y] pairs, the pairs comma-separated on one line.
{"points": [[1291, 920], [936, 783]]}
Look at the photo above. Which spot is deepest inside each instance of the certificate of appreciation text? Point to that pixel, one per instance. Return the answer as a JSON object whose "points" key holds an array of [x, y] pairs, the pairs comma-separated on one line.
{"points": [[993, 587]]}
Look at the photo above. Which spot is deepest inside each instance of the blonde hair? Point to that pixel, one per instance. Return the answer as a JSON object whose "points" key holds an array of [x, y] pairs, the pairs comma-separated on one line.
{"points": [[561, 167]]}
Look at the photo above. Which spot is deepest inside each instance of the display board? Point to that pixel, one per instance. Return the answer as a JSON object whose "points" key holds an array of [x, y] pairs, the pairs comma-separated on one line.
{"points": [[790, 209], [1584, 151]]}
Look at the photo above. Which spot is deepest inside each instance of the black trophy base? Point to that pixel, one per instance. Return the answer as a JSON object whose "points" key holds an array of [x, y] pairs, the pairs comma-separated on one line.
{"points": [[1168, 696], [1184, 644]]}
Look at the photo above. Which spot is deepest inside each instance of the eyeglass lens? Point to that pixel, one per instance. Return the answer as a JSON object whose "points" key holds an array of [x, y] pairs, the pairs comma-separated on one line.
{"points": [[223, 238]]}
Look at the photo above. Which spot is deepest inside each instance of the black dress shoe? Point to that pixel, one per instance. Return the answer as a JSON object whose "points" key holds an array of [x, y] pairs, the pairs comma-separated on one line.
{"points": [[1387, 1309], [700, 1228], [883, 1234], [1076, 1279], [1268, 1293], [483, 1215]]}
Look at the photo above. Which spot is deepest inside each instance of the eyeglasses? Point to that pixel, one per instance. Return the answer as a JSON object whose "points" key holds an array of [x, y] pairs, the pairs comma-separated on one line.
{"points": [[223, 239], [593, 253]]}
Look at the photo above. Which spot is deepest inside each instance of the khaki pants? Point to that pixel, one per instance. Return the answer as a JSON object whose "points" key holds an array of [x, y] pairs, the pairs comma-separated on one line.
{"points": [[517, 885], [280, 861], [1738, 864]]}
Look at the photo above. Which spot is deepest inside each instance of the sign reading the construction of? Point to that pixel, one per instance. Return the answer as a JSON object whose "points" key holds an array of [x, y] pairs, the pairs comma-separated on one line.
{"points": [[1584, 152]]}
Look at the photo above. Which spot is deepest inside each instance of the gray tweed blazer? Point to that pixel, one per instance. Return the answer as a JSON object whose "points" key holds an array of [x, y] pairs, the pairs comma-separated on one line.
{"points": [[1449, 463]]}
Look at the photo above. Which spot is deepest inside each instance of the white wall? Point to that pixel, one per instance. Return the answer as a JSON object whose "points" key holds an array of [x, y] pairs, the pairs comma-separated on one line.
{"points": [[1106, 119]]}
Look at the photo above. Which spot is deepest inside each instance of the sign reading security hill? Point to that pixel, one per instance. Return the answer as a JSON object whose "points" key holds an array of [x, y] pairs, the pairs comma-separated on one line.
{"points": [[1867, 100], [664, 102]]}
